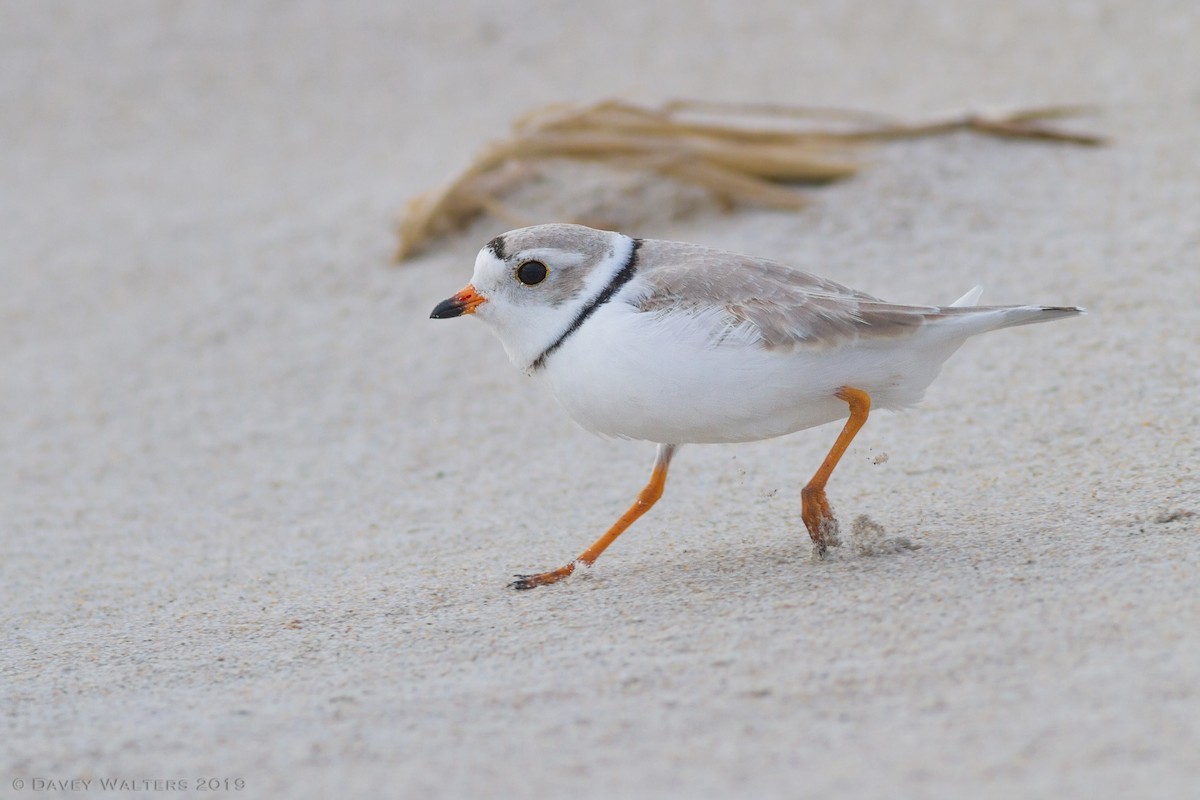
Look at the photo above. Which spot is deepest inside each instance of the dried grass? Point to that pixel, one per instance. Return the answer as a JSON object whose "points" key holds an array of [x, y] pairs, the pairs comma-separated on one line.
{"points": [[741, 153]]}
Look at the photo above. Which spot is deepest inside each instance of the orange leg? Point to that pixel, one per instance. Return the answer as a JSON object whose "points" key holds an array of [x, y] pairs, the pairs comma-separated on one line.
{"points": [[645, 499], [814, 506]]}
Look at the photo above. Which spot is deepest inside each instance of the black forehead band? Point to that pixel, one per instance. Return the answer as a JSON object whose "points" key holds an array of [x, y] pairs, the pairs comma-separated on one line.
{"points": [[497, 247]]}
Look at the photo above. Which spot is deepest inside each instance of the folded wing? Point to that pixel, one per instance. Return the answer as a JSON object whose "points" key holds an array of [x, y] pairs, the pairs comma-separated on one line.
{"points": [[769, 303]]}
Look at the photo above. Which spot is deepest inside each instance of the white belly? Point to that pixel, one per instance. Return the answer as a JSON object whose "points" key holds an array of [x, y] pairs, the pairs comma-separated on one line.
{"points": [[634, 375]]}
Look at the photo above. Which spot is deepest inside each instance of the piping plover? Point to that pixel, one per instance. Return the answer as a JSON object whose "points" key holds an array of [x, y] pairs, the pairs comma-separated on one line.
{"points": [[677, 343]]}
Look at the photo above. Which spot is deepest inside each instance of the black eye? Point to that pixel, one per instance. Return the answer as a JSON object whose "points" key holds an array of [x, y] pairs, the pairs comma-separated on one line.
{"points": [[532, 273]]}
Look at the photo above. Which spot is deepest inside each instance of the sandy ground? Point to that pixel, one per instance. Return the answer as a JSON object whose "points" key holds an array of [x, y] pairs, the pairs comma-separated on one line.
{"points": [[257, 512]]}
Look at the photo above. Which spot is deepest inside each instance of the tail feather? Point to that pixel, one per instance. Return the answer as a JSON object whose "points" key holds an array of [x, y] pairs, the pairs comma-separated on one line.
{"points": [[995, 317], [972, 320], [1028, 315], [969, 299]]}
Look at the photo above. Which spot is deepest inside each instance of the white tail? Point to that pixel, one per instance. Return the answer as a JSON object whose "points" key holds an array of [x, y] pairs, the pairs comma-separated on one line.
{"points": [[1028, 315], [971, 319]]}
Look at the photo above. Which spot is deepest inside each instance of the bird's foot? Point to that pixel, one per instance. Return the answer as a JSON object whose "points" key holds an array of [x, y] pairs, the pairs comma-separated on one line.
{"points": [[523, 582], [821, 523]]}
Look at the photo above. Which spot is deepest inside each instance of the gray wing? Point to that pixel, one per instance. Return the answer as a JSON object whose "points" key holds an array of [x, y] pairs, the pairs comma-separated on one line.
{"points": [[775, 305]]}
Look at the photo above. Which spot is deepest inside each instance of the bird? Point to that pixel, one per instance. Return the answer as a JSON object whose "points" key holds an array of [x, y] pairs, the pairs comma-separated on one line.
{"points": [[677, 343]]}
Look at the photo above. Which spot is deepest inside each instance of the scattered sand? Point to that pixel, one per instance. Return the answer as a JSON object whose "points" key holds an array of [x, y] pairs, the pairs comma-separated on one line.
{"points": [[870, 539]]}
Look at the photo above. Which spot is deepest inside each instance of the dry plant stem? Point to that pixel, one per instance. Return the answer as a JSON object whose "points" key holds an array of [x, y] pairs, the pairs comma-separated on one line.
{"points": [[1015, 124], [798, 162], [775, 110], [475, 190], [1005, 127], [736, 161]]}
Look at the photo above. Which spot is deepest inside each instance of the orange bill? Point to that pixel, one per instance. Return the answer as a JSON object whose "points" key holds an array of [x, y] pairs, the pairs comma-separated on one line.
{"points": [[465, 302]]}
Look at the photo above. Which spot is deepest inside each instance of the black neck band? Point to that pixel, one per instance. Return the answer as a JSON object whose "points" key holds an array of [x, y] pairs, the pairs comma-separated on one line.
{"points": [[620, 279]]}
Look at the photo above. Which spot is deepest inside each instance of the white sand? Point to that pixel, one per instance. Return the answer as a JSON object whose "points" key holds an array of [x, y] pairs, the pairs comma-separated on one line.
{"points": [[257, 512]]}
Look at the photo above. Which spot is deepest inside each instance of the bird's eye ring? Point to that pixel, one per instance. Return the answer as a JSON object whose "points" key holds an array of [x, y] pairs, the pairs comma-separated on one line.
{"points": [[532, 273]]}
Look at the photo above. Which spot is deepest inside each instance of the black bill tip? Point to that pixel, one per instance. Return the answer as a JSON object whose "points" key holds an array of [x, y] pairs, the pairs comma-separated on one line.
{"points": [[450, 307]]}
